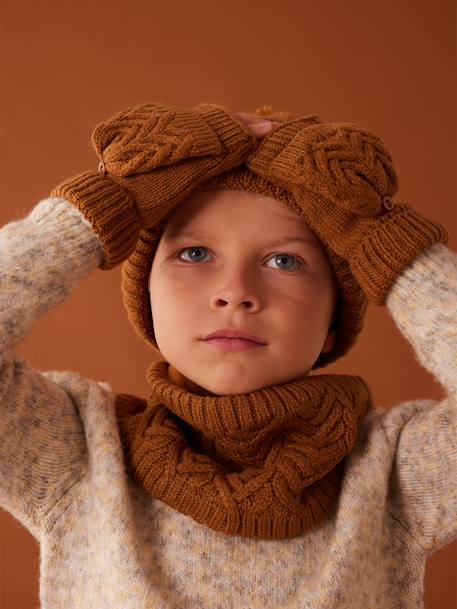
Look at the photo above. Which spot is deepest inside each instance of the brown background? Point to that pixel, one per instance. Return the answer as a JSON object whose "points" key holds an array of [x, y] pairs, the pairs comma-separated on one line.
{"points": [[388, 66]]}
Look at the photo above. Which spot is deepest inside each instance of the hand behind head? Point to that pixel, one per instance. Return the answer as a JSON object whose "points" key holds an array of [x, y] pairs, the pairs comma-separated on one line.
{"points": [[258, 126]]}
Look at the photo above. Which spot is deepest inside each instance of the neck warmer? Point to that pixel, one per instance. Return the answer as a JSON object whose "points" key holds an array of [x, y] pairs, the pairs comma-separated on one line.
{"points": [[266, 464]]}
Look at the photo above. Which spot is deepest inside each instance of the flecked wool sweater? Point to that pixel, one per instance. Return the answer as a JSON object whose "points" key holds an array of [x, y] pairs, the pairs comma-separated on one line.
{"points": [[105, 543]]}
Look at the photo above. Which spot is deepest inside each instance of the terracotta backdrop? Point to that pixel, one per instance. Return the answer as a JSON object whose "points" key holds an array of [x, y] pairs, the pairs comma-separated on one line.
{"points": [[388, 66]]}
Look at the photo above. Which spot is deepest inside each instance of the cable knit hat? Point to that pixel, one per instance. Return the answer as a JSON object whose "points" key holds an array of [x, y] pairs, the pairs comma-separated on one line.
{"points": [[351, 304]]}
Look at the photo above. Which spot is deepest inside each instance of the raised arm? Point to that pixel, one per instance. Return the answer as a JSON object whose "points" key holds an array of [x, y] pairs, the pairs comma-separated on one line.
{"points": [[423, 304], [42, 258]]}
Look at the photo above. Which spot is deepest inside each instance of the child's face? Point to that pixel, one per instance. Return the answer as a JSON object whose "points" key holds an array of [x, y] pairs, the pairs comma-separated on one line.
{"points": [[234, 272]]}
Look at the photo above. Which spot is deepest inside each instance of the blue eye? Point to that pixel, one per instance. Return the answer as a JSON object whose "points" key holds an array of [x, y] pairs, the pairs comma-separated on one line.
{"points": [[195, 249], [285, 256], [198, 257]]}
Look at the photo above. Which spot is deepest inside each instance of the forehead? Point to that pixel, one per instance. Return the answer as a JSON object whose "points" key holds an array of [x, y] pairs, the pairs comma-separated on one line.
{"points": [[222, 209]]}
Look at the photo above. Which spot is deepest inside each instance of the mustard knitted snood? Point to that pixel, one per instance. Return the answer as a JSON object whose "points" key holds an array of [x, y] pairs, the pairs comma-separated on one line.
{"points": [[266, 464]]}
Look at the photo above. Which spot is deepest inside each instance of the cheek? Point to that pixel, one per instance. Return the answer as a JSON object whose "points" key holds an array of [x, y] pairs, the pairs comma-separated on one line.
{"points": [[295, 296], [172, 299], [303, 312]]}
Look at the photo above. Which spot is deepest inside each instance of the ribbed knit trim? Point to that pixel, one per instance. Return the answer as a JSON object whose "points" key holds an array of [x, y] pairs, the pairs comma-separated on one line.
{"points": [[228, 129], [222, 416], [269, 149], [392, 247], [108, 208]]}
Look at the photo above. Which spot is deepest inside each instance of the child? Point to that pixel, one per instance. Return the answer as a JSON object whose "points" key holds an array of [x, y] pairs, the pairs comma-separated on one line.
{"points": [[242, 480]]}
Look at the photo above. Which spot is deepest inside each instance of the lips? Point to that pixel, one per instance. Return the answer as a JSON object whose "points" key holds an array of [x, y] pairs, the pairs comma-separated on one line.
{"points": [[234, 333], [232, 344]]}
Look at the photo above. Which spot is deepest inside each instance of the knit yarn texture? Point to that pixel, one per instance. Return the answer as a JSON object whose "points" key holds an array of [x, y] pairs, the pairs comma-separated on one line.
{"points": [[267, 464]]}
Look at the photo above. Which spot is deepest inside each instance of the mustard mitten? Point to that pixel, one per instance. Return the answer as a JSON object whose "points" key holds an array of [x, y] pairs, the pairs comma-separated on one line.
{"points": [[151, 157], [342, 178]]}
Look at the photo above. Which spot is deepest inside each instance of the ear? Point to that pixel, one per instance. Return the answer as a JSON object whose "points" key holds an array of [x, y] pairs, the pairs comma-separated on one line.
{"points": [[329, 342]]}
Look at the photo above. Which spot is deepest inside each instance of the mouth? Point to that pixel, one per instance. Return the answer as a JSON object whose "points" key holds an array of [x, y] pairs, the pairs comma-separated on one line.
{"points": [[234, 333]]}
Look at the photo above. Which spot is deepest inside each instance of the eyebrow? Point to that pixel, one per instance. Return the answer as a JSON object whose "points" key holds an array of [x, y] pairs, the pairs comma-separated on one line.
{"points": [[278, 239]]}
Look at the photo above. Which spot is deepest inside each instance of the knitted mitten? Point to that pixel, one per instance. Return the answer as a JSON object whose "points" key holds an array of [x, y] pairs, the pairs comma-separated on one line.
{"points": [[152, 157], [342, 178]]}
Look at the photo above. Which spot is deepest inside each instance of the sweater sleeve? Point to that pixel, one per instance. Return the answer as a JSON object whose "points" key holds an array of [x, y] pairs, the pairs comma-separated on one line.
{"points": [[423, 303], [42, 450]]}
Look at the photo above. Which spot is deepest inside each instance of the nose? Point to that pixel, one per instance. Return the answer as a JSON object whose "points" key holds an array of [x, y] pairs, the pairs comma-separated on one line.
{"points": [[237, 291]]}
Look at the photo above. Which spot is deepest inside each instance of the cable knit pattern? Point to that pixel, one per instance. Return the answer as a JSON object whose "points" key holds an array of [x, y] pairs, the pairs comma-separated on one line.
{"points": [[342, 161], [106, 543], [148, 136]]}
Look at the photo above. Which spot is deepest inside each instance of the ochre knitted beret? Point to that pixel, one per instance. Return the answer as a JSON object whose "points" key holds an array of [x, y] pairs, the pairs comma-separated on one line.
{"points": [[352, 302]]}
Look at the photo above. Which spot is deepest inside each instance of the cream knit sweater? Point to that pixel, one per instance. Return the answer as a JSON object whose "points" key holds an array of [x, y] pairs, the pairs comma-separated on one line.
{"points": [[105, 544]]}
